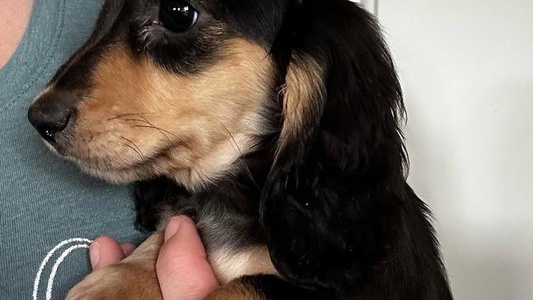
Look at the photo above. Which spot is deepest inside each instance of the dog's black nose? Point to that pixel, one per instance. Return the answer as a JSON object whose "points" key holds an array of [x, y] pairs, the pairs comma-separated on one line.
{"points": [[50, 114]]}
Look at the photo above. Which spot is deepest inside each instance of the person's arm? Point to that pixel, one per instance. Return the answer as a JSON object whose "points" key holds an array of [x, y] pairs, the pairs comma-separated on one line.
{"points": [[14, 18]]}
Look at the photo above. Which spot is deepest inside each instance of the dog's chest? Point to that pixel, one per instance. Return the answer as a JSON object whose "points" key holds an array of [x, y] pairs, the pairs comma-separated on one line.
{"points": [[235, 244], [231, 264], [228, 224]]}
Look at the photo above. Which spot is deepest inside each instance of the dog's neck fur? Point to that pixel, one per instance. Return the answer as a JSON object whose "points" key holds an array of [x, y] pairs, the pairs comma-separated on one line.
{"points": [[226, 212]]}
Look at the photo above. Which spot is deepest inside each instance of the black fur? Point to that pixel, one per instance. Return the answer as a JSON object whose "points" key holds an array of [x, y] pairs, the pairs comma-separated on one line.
{"points": [[332, 205], [335, 208]]}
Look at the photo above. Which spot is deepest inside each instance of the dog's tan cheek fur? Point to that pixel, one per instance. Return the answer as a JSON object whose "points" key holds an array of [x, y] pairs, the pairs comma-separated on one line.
{"points": [[204, 122]]}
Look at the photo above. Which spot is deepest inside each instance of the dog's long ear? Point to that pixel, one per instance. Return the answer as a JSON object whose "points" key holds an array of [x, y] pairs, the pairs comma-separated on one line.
{"points": [[340, 155]]}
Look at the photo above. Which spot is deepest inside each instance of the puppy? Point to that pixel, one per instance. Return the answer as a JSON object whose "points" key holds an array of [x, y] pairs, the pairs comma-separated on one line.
{"points": [[274, 124]]}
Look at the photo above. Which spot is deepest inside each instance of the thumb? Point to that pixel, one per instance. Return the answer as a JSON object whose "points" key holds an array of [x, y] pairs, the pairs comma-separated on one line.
{"points": [[182, 267]]}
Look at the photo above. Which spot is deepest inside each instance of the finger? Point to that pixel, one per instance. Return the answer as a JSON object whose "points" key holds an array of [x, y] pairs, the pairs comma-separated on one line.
{"points": [[105, 251], [127, 248], [182, 267]]}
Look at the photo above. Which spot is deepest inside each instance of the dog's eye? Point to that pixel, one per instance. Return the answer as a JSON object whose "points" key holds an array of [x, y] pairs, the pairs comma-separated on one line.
{"points": [[177, 15]]}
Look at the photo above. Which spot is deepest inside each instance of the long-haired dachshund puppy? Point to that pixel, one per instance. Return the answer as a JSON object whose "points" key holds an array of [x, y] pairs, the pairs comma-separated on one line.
{"points": [[274, 124]]}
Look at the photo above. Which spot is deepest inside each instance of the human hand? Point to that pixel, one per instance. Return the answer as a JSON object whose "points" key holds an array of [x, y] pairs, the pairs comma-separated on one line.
{"points": [[182, 267]]}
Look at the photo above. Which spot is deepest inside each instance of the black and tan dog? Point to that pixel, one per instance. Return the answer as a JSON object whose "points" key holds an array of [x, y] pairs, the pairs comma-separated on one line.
{"points": [[274, 124]]}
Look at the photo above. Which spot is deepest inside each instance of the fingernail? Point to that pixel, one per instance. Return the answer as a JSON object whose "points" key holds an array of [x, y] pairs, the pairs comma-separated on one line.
{"points": [[172, 227], [94, 254]]}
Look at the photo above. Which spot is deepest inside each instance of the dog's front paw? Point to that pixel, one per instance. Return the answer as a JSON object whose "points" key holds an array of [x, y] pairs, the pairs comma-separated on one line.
{"points": [[118, 282]]}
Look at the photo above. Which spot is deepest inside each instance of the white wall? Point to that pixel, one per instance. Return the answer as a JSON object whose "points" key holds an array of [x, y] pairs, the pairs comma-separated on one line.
{"points": [[467, 72]]}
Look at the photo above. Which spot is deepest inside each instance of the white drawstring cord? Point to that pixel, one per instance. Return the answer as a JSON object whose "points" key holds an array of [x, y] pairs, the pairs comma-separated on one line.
{"points": [[82, 243], [56, 266]]}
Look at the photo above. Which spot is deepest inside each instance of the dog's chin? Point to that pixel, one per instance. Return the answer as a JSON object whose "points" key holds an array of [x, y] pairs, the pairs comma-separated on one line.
{"points": [[122, 175], [115, 176]]}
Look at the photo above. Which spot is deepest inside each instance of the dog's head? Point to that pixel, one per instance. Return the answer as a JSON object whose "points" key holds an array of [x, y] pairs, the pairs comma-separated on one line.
{"points": [[184, 88], [165, 88]]}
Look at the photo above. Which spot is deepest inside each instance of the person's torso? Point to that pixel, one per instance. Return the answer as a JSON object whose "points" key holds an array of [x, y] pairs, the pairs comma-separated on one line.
{"points": [[45, 202]]}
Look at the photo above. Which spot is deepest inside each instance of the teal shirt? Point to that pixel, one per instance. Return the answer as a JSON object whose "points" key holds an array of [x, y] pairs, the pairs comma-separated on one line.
{"points": [[45, 200]]}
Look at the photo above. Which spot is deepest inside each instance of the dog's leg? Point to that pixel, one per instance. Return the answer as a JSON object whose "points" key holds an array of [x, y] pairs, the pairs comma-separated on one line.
{"points": [[132, 278]]}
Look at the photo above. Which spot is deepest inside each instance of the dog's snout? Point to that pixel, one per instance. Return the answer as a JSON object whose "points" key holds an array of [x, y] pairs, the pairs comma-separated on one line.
{"points": [[50, 114]]}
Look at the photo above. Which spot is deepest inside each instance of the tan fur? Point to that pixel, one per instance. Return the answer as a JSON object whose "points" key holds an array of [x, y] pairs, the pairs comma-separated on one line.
{"points": [[235, 290], [229, 265], [132, 278], [196, 116], [140, 121], [303, 90], [135, 276]]}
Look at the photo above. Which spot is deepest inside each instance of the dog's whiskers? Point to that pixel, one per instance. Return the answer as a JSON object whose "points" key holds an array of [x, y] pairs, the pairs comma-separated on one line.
{"points": [[138, 114], [164, 132], [150, 125], [236, 147], [134, 147], [120, 116]]}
